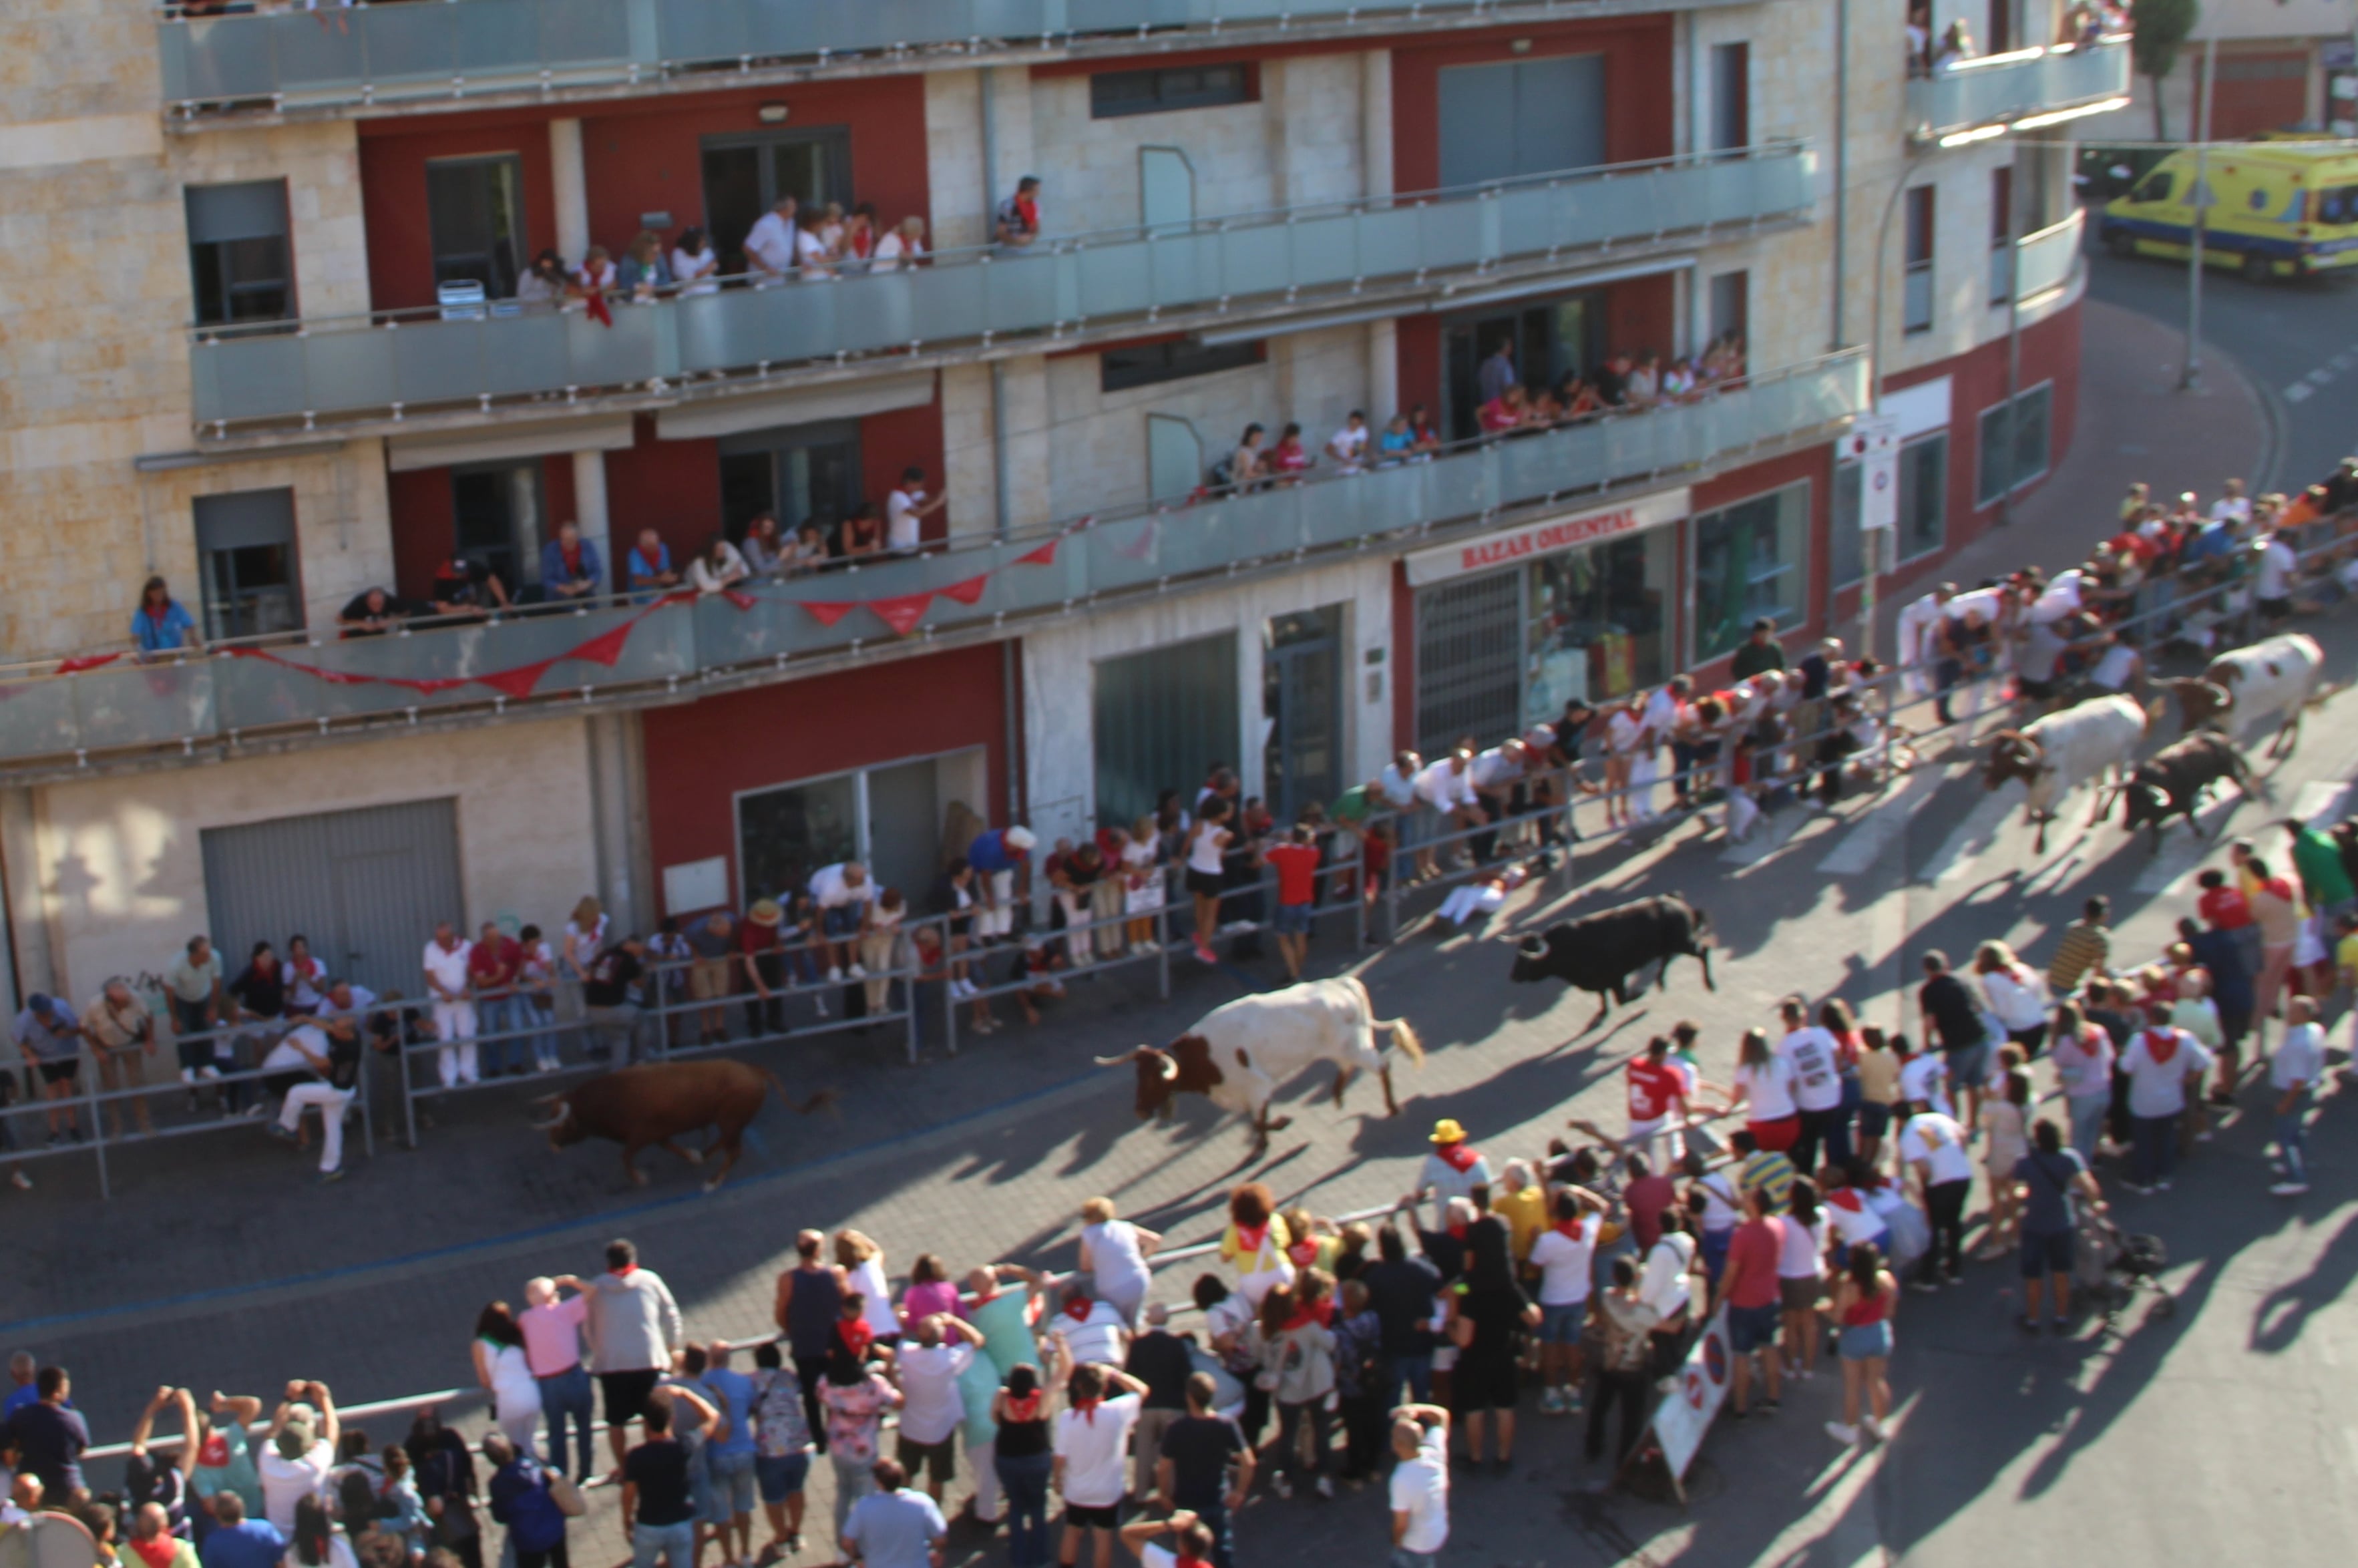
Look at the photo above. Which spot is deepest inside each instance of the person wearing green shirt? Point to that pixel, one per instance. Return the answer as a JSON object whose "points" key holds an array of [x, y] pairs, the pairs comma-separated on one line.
{"points": [[1761, 651], [1003, 1318], [2323, 877]]}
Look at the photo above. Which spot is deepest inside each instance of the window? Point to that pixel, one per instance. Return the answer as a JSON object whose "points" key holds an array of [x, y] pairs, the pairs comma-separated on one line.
{"points": [[2013, 449], [239, 259], [1114, 93], [2155, 188], [497, 510], [2001, 268], [745, 175], [474, 209], [1143, 364], [1522, 117], [1751, 559], [1174, 458], [245, 550], [890, 817], [1916, 287], [1159, 719], [800, 473], [1731, 305], [1731, 97]]}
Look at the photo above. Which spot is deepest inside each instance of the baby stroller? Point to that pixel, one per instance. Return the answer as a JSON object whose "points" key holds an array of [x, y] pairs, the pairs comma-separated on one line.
{"points": [[2109, 1264]]}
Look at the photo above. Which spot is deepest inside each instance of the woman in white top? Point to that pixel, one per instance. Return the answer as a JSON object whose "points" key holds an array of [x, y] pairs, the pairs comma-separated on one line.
{"points": [[502, 1370], [903, 245], [693, 266], [585, 938], [1205, 844], [880, 936], [862, 1262], [1114, 1254], [1801, 1275], [1142, 876], [718, 566], [2016, 994], [1763, 1085], [1623, 730]]}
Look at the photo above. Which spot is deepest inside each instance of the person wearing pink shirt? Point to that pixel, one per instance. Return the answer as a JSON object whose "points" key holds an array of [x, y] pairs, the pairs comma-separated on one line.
{"points": [[552, 1348]]}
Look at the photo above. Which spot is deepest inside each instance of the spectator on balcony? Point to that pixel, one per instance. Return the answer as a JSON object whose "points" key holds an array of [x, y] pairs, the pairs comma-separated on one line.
{"points": [[694, 266], [815, 257], [717, 566], [1576, 399], [647, 570], [904, 245], [856, 248], [645, 269], [1498, 373], [596, 274], [547, 284], [831, 232], [1642, 387], [1421, 427], [1291, 460], [49, 1036], [1397, 445], [467, 588], [1349, 446], [1018, 224], [1511, 410], [161, 624], [770, 245], [373, 612], [760, 546], [1612, 380], [570, 565], [807, 552], [1247, 467], [1956, 45], [905, 510], [863, 532]]}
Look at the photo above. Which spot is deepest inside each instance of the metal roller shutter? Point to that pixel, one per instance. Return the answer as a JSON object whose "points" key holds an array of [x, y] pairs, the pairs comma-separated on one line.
{"points": [[1161, 718], [1469, 661]]}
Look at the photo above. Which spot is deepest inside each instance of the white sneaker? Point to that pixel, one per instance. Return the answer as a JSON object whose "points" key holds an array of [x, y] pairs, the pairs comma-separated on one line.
{"points": [[1325, 1486], [834, 975], [857, 971], [21, 1182], [2288, 1189], [820, 1003], [1877, 1429], [1841, 1432]]}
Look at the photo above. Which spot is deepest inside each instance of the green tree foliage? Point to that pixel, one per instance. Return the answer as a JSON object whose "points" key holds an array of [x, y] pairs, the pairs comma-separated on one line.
{"points": [[2161, 27]]}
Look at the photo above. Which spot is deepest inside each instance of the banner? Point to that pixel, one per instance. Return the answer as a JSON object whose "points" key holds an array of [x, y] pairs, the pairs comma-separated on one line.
{"points": [[1684, 1415]]}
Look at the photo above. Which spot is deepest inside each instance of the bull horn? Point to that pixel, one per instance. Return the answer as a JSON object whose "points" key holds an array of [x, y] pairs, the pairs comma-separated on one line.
{"points": [[1170, 1070], [1118, 1061], [1530, 947], [2226, 695], [564, 1114]]}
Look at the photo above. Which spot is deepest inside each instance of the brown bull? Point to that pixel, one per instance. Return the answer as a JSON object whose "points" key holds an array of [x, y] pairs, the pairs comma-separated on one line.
{"points": [[656, 1102]]}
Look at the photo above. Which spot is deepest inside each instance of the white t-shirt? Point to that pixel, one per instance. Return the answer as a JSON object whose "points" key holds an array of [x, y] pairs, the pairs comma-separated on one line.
{"points": [[1420, 1489], [901, 521], [771, 244], [447, 970], [1093, 1444], [286, 1482], [932, 1407], [2232, 509], [1917, 619], [1803, 1247], [1565, 1274], [1925, 1076], [1621, 732], [830, 890], [2300, 1058], [1349, 446], [1663, 1285], [285, 1057], [1985, 602], [695, 273], [1768, 1091], [1811, 1053], [810, 252], [2111, 671], [2278, 562], [2158, 1088], [1855, 1219], [1441, 786], [1940, 1143], [892, 249], [1115, 1258], [1661, 714], [1097, 1337], [1204, 848]]}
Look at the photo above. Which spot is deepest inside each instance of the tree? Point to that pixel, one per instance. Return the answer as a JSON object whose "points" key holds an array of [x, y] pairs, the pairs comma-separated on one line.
{"points": [[2160, 29]]}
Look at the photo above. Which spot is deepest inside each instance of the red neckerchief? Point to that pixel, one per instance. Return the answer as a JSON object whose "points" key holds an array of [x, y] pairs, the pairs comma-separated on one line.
{"points": [[1087, 1410], [1186, 1562], [1079, 1308], [572, 557], [1250, 1237], [1029, 210], [1459, 1157], [626, 1270], [1026, 1409], [155, 619], [214, 1453], [2161, 1045], [855, 1334], [156, 1553], [1304, 1252], [1458, 1231], [1570, 1229]]}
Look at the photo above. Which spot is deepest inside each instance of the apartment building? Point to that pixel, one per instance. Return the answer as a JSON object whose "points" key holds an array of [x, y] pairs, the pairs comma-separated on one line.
{"points": [[292, 366]]}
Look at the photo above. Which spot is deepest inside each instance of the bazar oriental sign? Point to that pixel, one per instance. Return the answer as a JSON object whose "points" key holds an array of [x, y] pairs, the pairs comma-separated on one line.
{"points": [[1547, 536]]}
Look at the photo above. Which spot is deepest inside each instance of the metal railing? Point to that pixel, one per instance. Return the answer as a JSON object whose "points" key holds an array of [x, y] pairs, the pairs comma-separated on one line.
{"points": [[400, 364], [377, 55], [223, 695], [2000, 88]]}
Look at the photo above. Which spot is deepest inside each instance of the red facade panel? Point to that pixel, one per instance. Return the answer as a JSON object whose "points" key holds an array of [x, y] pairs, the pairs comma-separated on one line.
{"points": [[1637, 72]]}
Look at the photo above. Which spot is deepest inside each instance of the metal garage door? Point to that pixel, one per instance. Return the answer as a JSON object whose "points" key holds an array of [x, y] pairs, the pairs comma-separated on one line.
{"points": [[1469, 661], [1162, 716], [366, 887]]}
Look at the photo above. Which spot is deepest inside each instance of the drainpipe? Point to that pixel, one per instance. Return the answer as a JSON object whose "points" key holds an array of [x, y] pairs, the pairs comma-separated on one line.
{"points": [[1842, 160], [1004, 519]]}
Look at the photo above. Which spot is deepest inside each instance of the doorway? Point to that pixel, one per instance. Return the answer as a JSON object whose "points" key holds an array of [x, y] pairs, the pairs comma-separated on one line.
{"points": [[798, 473], [1161, 719], [1551, 341], [745, 175], [474, 211], [888, 817], [1302, 711], [496, 510]]}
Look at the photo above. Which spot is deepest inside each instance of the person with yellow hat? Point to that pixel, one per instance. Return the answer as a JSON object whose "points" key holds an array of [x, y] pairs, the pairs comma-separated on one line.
{"points": [[1453, 1169]]}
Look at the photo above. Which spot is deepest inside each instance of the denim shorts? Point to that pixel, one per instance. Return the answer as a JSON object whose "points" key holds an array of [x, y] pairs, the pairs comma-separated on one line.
{"points": [[781, 1477], [1561, 1324], [1864, 1341], [1292, 920], [2046, 1252], [728, 1489], [1873, 1119], [843, 920], [1968, 1066], [1754, 1329]]}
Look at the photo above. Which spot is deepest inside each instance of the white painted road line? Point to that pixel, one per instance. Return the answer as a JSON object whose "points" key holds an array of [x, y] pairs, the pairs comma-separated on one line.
{"points": [[1768, 835], [1958, 853], [1878, 829], [2297, 391]]}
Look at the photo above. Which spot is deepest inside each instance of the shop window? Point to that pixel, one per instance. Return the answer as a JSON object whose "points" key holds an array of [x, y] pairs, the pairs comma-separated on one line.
{"points": [[245, 549], [1114, 93], [1145, 364], [889, 817], [2014, 444], [240, 263], [1751, 559]]}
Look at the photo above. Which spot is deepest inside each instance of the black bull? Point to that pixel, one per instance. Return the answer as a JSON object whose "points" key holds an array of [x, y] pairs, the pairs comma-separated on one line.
{"points": [[656, 1102], [1600, 952]]}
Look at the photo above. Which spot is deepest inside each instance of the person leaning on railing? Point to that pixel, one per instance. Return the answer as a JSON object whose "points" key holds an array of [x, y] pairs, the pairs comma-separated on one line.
{"points": [[162, 625]]}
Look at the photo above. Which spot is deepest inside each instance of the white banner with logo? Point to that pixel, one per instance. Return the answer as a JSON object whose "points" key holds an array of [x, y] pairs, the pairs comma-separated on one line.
{"points": [[1548, 536], [1685, 1412]]}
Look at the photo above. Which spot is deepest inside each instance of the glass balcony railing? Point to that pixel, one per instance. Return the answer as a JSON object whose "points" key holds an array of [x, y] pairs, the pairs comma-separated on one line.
{"points": [[259, 687], [408, 363], [2043, 261], [1999, 88], [381, 54]]}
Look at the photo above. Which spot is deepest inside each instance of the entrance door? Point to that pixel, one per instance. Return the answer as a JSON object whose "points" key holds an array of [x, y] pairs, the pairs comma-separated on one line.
{"points": [[367, 887], [497, 513], [1526, 116], [745, 175], [904, 828], [1161, 719], [474, 208], [1301, 701], [1550, 342], [799, 473]]}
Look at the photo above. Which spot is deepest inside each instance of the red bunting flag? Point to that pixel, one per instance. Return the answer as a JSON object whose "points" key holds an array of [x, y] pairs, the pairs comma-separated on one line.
{"points": [[517, 683], [1144, 546], [1045, 556], [827, 612], [429, 687], [93, 662], [606, 648], [969, 591], [902, 611], [741, 601]]}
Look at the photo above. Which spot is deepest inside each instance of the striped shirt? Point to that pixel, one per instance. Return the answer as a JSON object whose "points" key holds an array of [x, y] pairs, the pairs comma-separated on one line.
{"points": [[1767, 1171], [2083, 947]]}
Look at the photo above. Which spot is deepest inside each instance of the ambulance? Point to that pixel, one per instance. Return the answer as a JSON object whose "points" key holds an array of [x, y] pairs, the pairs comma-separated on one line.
{"points": [[2275, 209]]}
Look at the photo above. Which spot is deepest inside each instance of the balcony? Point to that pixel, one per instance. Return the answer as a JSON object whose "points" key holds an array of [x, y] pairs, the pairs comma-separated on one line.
{"points": [[640, 654], [2022, 85], [385, 57], [1400, 254], [2043, 262]]}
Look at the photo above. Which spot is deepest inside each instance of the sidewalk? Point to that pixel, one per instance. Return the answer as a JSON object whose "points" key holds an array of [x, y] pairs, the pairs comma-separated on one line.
{"points": [[2134, 424]]}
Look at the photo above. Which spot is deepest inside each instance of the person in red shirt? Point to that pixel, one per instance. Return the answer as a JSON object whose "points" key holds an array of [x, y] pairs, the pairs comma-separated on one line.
{"points": [[492, 968], [2223, 907], [1295, 862], [1749, 1291], [1658, 1095]]}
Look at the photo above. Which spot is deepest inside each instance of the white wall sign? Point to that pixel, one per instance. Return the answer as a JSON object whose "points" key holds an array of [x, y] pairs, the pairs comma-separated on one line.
{"points": [[1874, 444], [1547, 536], [1685, 1412], [696, 884]]}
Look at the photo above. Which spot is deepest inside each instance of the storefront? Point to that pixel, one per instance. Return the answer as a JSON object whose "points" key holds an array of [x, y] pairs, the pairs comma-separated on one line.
{"points": [[1512, 625]]}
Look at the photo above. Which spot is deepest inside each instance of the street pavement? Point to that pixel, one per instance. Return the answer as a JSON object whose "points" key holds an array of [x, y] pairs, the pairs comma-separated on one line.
{"points": [[219, 1265]]}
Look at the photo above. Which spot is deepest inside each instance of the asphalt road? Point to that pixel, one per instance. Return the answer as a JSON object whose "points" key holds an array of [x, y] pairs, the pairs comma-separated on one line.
{"points": [[2297, 338]]}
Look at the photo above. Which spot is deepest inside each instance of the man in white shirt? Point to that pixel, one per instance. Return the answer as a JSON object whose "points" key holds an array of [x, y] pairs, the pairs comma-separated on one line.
{"points": [[932, 1406], [1092, 1445], [1916, 652], [1815, 1058], [2278, 562], [1349, 446], [905, 510], [904, 244], [2234, 506], [1933, 1147], [1564, 1254], [2293, 1071], [770, 246], [294, 1463], [309, 1048], [812, 257], [841, 891], [1496, 774], [1420, 1484], [1656, 722], [1445, 790], [447, 983]]}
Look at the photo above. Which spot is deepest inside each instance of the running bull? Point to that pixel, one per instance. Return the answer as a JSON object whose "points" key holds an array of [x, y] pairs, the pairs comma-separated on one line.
{"points": [[1599, 952], [658, 1102]]}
